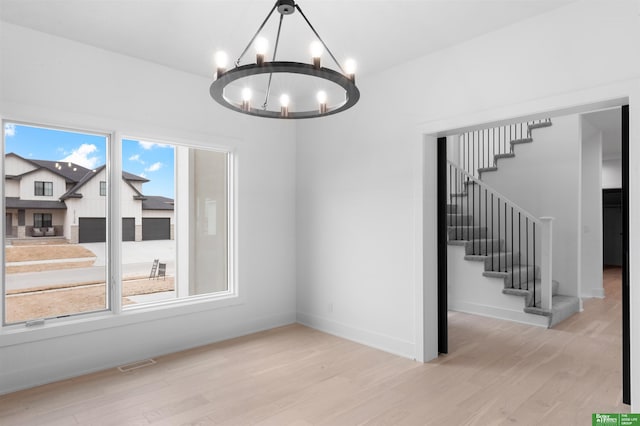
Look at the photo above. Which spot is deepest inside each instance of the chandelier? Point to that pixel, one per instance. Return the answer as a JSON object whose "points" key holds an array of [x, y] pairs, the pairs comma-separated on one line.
{"points": [[232, 87]]}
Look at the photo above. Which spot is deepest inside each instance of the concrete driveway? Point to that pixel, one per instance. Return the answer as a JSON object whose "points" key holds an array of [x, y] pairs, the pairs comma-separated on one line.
{"points": [[137, 251], [137, 259]]}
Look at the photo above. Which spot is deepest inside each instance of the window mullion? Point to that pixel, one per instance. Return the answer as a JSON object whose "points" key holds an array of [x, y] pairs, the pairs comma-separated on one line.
{"points": [[114, 221]]}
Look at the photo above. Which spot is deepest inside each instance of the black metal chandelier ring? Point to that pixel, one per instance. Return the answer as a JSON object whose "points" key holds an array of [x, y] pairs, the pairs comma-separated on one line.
{"points": [[223, 78], [352, 94]]}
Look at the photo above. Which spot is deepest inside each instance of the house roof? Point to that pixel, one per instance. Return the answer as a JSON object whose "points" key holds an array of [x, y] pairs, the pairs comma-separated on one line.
{"points": [[17, 203], [79, 176], [70, 171], [156, 202]]}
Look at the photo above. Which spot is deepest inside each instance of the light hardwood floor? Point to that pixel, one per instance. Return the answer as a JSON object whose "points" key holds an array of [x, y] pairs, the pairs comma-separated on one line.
{"points": [[497, 372]]}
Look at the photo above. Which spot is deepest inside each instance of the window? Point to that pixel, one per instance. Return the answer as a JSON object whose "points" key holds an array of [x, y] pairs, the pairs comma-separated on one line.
{"points": [[198, 195], [44, 189], [42, 220], [64, 279], [161, 259]]}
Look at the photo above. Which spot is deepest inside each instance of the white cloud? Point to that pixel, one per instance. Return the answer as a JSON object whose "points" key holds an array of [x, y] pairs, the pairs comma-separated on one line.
{"points": [[154, 167], [9, 129], [82, 156], [144, 175], [136, 158], [149, 145]]}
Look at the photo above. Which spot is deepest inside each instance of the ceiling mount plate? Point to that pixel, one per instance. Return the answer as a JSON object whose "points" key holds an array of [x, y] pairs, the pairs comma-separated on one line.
{"points": [[286, 7]]}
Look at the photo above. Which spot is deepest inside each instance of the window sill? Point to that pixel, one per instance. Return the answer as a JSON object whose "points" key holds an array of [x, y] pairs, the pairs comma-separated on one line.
{"points": [[84, 323]]}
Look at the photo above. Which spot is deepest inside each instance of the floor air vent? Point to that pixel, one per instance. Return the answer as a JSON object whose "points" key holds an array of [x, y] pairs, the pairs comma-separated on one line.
{"points": [[136, 365]]}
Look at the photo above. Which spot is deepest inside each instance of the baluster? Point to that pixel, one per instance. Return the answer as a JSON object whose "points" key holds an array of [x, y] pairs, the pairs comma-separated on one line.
{"points": [[499, 246], [473, 225], [457, 190], [506, 238], [492, 245], [473, 156], [487, 148], [526, 227], [519, 252], [486, 225], [493, 139], [482, 150], [512, 248]]}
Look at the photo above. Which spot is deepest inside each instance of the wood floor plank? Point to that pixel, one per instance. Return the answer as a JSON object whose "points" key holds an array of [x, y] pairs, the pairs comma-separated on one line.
{"points": [[496, 373]]}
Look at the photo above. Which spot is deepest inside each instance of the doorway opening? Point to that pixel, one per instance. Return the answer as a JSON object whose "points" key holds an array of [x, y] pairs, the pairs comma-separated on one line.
{"points": [[621, 241]]}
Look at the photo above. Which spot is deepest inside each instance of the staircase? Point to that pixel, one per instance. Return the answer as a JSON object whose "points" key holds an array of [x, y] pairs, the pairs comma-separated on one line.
{"points": [[513, 247]]}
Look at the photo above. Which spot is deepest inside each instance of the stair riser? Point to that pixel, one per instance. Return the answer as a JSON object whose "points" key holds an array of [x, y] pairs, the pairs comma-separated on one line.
{"points": [[499, 262], [519, 279], [458, 219], [479, 247], [466, 233]]}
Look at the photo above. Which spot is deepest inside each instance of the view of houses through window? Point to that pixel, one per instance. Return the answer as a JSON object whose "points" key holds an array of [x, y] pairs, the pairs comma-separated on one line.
{"points": [[56, 211]]}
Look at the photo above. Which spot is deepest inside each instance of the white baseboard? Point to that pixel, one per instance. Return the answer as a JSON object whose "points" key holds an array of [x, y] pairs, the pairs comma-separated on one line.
{"points": [[375, 340], [499, 313]]}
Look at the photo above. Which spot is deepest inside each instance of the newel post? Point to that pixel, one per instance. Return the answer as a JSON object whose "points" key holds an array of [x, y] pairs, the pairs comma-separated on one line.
{"points": [[546, 261]]}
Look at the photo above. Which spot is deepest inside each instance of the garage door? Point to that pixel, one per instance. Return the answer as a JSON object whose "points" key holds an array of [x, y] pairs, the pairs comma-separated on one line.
{"points": [[92, 230], [156, 228], [128, 229]]}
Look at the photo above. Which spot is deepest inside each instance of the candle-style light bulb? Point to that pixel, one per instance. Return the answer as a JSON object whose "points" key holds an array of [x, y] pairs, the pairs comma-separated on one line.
{"points": [[350, 68], [221, 59], [284, 105], [246, 99], [322, 101], [261, 44], [316, 49]]}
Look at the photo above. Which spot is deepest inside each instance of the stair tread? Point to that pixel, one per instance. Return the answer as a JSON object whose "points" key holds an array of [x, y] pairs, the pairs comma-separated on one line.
{"points": [[558, 302], [487, 169], [502, 274], [523, 140], [476, 257], [505, 155], [540, 125]]}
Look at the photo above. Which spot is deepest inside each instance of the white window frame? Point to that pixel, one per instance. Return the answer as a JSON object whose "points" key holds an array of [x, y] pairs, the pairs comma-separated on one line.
{"points": [[113, 315]]}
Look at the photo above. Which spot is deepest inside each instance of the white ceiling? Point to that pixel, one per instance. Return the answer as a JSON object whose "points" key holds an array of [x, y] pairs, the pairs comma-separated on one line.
{"points": [[184, 34]]}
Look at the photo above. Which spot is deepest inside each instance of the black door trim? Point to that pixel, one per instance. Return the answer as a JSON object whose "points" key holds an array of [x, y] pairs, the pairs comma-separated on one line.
{"points": [[443, 326], [626, 331]]}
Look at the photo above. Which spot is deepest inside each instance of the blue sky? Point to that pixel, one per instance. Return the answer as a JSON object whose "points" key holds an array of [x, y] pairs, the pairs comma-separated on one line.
{"points": [[147, 159]]}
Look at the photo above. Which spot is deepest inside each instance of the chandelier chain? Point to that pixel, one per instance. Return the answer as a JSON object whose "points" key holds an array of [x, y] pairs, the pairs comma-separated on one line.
{"points": [[275, 52], [320, 38], [256, 34]]}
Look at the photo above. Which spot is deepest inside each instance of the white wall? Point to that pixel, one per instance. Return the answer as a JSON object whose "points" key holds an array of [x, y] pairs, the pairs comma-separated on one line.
{"points": [[359, 173], [27, 185], [612, 173], [543, 178], [17, 166], [590, 278], [45, 79]]}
